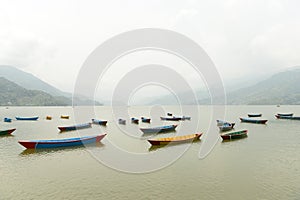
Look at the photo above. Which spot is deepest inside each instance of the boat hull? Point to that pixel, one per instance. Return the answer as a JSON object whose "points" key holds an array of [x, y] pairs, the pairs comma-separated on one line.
{"points": [[75, 127], [161, 129], [146, 120], [287, 117], [234, 135], [27, 118], [42, 144], [254, 115], [171, 118], [6, 119], [64, 116], [255, 121], [175, 140], [7, 132], [285, 114], [99, 122]]}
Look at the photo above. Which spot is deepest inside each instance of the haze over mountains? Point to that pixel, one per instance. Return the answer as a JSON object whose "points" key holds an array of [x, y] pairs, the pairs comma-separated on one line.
{"points": [[280, 88], [18, 88]]}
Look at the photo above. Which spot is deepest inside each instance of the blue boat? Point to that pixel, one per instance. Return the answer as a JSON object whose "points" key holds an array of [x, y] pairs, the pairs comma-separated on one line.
{"points": [[287, 117], [159, 129], [253, 120], [100, 122], [74, 127], [254, 114], [38, 144], [285, 114], [226, 127], [6, 119], [27, 118]]}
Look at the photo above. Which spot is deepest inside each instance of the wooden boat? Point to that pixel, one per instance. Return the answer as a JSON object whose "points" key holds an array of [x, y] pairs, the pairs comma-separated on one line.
{"points": [[175, 118], [159, 129], [38, 144], [185, 118], [134, 120], [64, 116], [285, 114], [287, 117], [28, 118], [145, 120], [48, 117], [255, 121], [175, 140], [75, 127], [254, 114], [226, 127], [221, 123], [6, 119], [170, 118], [122, 121], [7, 132], [100, 122], [234, 135]]}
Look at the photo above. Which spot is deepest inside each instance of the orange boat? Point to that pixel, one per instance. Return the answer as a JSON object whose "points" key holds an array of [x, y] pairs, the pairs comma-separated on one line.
{"points": [[177, 139]]}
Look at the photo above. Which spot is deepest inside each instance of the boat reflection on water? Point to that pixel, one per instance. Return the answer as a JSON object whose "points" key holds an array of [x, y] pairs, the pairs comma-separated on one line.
{"points": [[170, 145]]}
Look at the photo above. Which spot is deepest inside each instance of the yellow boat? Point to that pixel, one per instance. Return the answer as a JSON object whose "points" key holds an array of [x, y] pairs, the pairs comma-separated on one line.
{"points": [[48, 117], [65, 116], [177, 139]]}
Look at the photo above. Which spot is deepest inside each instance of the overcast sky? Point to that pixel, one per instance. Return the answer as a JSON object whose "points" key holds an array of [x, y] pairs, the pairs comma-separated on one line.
{"points": [[51, 39]]}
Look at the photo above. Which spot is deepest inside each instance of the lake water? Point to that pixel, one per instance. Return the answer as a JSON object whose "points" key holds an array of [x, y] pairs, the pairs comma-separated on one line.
{"points": [[265, 165]]}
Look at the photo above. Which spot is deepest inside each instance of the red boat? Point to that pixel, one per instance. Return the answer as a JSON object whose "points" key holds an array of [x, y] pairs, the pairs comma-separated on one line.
{"points": [[7, 132]]}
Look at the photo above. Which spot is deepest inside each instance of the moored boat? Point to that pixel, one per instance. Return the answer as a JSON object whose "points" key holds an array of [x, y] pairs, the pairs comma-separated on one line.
{"points": [[254, 114], [37, 144], [255, 121], [234, 135], [64, 116], [74, 127], [287, 117], [226, 127], [174, 140], [134, 120], [27, 118], [285, 114], [222, 122], [7, 132], [169, 118], [145, 120], [159, 129], [48, 117], [6, 119], [100, 122], [122, 121]]}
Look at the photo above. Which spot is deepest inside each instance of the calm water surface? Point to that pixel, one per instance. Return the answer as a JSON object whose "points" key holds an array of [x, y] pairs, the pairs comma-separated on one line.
{"points": [[265, 165]]}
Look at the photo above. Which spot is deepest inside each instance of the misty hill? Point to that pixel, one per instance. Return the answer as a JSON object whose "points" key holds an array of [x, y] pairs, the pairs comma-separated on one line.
{"points": [[30, 82], [281, 88], [15, 95]]}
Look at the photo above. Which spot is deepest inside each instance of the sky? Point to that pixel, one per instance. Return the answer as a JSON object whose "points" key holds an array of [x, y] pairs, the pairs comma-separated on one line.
{"points": [[244, 38]]}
